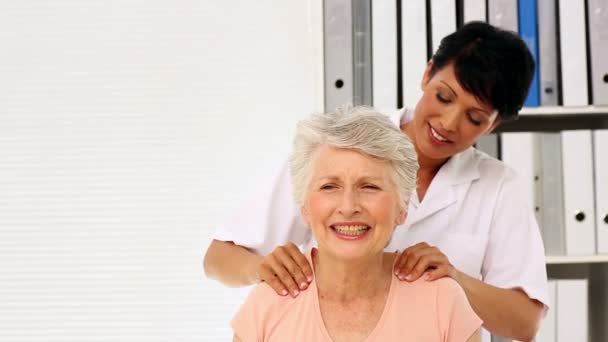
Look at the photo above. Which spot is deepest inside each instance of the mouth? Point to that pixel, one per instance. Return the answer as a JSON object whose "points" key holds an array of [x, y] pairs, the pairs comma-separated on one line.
{"points": [[350, 231], [438, 138]]}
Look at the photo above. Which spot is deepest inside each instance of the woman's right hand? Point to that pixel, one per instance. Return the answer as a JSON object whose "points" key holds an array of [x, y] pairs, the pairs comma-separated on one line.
{"points": [[286, 270]]}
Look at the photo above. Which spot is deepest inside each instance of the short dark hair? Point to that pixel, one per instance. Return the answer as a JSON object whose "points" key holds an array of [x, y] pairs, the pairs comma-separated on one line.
{"points": [[493, 64]]}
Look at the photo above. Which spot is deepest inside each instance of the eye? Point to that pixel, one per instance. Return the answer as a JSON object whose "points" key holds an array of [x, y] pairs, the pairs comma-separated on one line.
{"points": [[328, 186], [442, 98], [371, 187], [474, 119]]}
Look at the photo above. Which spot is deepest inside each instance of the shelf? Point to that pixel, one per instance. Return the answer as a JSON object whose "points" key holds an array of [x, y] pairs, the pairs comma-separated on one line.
{"points": [[583, 259], [560, 110], [556, 119]]}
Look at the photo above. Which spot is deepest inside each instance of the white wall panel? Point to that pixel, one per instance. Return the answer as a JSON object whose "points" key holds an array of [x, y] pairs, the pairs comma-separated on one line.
{"points": [[128, 130]]}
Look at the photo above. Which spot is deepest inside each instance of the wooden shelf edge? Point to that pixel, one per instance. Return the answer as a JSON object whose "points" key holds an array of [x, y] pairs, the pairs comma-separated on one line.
{"points": [[568, 259]]}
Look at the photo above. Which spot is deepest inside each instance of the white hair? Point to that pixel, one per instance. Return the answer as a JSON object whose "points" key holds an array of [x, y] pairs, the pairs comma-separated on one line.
{"points": [[357, 128]]}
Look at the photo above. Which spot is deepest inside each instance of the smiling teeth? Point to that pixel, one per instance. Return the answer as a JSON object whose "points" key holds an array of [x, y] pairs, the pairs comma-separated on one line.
{"points": [[437, 136], [351, 230]]}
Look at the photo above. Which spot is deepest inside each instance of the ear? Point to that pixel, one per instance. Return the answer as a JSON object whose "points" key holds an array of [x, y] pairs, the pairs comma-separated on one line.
{"points": [[401, 217], [426, 77], [495, 124], [305, 215]]}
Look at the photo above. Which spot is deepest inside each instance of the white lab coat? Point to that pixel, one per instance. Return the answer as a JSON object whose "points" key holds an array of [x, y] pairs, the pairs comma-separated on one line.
{"points": [[474, 211]]}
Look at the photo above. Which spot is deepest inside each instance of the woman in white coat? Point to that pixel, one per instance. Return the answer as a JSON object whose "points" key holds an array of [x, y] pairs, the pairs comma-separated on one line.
{"points": [[468, 219]]}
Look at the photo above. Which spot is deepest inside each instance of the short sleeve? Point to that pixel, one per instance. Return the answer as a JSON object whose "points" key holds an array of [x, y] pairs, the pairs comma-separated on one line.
{"points": [[252, 317], [515, 256], [457, 320], [268, 217]]}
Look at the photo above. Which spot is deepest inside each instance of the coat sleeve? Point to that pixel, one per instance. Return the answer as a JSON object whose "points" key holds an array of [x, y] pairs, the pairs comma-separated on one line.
{"points": [[268, 217], [515, 256]]}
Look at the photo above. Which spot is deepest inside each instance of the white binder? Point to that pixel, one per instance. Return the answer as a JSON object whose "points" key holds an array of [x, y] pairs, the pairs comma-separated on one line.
{"points": [[573, 52], [547, 53], [488, 143], [474, 10], [443, 20], [413, 49], [503, 13], [552, 194], [600, 148], [548, 326], [338, 56], [598, 48], [579, 212], [519, 150], [384, 55], [572, 310]]}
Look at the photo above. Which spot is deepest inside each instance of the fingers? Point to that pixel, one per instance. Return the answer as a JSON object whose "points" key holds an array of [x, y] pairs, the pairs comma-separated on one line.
{"points": [[296, 265], [282, 273], [286, 270], [268, 275], [408, 258], [417, 259], [439, 272]]}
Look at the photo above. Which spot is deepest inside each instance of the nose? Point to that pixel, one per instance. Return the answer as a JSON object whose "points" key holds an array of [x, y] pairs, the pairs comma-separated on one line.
{"points": [[349, 205], [450, 119]]}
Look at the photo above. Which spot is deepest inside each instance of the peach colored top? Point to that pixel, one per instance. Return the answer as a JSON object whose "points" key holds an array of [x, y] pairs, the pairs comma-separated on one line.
{"points": [[418, 311]]}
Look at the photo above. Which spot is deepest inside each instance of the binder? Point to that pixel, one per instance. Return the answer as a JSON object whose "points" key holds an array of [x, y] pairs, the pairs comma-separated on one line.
{"points": [[443, 20], [579, 212], [474, 10], [384, 55], [503, 13], [552, 194], [598, 48], [600, 148], [413, 49], [528, 32], [338, 56], [548, 326], [572, 310], [573, 52], [547, 54], [520, 151], [488, 143]]}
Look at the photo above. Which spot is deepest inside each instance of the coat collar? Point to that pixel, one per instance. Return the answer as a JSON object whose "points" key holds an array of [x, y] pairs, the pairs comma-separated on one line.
{"points": [[460, 169]]}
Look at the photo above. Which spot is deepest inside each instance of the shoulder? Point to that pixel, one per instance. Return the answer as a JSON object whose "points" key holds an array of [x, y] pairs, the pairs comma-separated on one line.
{"points": [[448, 287], [257, 314], [266, 300], [493, 174], [489, 166]]}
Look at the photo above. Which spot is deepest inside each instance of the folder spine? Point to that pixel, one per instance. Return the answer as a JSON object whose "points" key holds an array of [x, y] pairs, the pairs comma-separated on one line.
{"points": [[413, 49], [547, 54], [579, 211], [384, 55], [503, 13], [528, 32], [573, 52], [598, 48], [600, 146]]}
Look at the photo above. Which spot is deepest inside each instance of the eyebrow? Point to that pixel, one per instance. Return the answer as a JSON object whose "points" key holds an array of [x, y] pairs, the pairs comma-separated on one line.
{"points": [[337, 178], [483, 111]]}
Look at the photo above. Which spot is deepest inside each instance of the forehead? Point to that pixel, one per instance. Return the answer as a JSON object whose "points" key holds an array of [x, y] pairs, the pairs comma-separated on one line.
{"points": [[331, 161], [446, 77]]}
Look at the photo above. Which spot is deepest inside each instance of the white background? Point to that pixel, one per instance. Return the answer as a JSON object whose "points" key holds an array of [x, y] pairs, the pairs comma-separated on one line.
{"points": [[128, 132]]}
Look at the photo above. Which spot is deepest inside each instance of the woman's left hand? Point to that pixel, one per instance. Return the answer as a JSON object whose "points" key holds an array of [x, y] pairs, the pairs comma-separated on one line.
{"points": [[421, 259]]}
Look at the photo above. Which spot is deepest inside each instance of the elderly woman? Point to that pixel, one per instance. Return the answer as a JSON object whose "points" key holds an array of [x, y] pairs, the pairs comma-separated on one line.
{"points": [[352, 172]]}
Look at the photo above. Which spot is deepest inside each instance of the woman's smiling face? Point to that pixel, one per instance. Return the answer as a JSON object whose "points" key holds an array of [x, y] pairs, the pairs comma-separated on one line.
{"points": [[448, 119], [352, 205]]}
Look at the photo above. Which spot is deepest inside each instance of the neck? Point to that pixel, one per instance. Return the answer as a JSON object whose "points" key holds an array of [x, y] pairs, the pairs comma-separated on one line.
{"points": [[426, 165], [343, 280]]}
